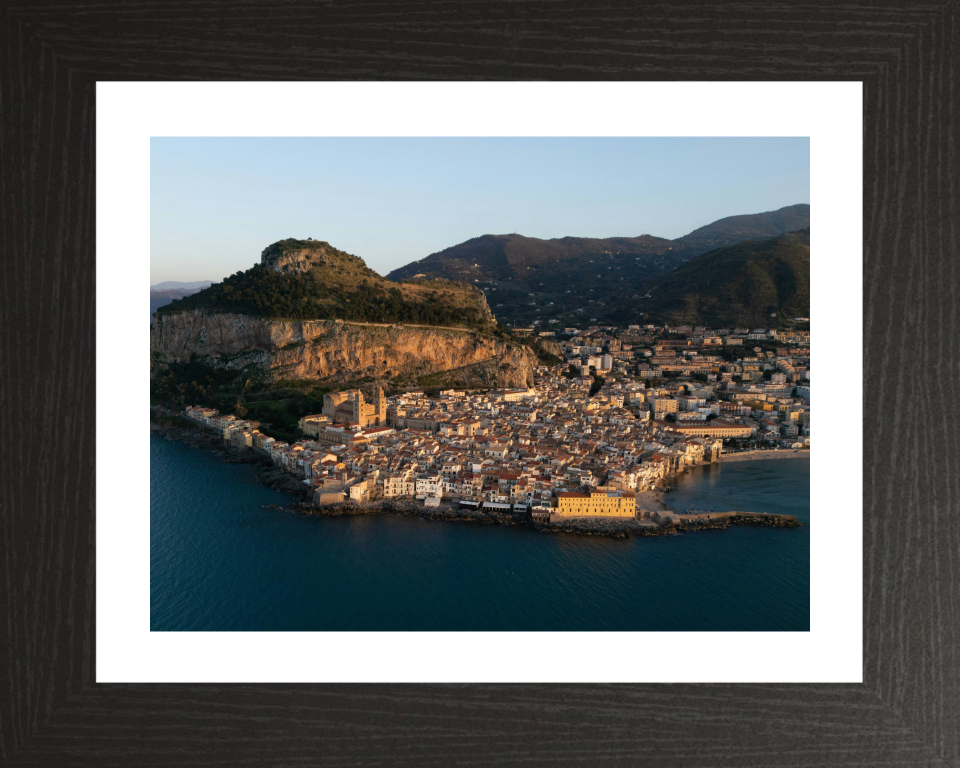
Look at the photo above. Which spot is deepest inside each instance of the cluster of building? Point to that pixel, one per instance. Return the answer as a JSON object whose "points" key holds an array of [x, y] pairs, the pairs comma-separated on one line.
{"points": [[554, 451]]}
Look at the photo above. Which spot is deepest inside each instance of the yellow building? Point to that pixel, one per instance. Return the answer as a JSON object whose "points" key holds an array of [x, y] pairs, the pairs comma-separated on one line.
{"points": [[597, 504], [663, 404]]}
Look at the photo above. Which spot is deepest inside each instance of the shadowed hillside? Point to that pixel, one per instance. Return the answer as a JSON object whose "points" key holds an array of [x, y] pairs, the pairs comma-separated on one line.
{"points": [[753, 283], [755, 226], [571, 278]]}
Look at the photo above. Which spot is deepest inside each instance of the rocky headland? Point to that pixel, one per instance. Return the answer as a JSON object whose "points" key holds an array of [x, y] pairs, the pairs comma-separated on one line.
{"points": [[336, 351]]}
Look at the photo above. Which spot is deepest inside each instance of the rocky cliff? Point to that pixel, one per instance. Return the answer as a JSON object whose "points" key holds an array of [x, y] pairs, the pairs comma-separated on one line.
{"points": [[298, 257], [335, 351]]}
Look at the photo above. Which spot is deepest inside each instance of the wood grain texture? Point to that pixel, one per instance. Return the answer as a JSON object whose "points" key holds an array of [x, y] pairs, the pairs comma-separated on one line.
{"points": [[907, 711]]}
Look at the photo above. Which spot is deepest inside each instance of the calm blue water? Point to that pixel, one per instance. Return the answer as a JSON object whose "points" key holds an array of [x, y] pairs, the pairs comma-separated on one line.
{"points": [[218, 561]]}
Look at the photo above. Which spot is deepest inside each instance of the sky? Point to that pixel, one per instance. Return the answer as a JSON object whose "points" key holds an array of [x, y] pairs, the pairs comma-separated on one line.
{"points": [[216, 203]]}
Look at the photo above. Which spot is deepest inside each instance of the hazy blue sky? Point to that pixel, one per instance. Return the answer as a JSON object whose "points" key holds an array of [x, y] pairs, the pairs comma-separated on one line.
{"points": [[216, 203]]}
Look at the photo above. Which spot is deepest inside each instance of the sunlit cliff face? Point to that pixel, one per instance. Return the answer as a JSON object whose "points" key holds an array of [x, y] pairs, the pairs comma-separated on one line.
{"points": [[324, 349]]}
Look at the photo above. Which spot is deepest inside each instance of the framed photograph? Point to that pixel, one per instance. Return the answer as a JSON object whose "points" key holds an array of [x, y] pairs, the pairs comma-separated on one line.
{"points": [[474, 422], [539, 437]]}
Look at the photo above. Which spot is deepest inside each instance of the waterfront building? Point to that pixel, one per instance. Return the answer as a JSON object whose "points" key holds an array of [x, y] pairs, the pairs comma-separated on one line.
{"points": [[596, 503]]}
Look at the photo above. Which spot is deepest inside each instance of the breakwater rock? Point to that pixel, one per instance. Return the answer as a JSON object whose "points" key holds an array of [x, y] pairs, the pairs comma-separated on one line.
{"points": [[753, 520], [612, 528], [274, 477], [765, 521]]}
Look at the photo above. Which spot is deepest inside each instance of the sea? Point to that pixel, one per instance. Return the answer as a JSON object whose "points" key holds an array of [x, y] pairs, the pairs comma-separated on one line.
{"points": [[222, 559]]}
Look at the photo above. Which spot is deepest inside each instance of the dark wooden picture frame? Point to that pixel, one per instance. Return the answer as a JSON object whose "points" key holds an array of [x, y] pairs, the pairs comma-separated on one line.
{"points": [[907, 711]]}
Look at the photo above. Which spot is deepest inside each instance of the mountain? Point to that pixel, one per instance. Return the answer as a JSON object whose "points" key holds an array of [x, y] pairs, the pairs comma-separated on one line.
{"points": [[757, 283], [317, 316], [527, 259], [526, 278], [177, 285], [312, 280], [755, 226]]}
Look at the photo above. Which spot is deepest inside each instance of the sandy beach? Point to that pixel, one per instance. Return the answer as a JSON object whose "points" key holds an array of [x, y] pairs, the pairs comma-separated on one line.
{"points": [[788, 453], [650, 500]]}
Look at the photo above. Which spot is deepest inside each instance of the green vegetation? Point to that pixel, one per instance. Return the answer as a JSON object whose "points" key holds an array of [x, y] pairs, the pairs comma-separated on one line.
{"points": [[311, 280], [170, 420], [262, 292], [500, 257], [731, 354], [278, 406], [543, 355], [597, 384], [756, 283], [433, 380], [575, 278], [193, 383], [755, 226], [561, 274]]}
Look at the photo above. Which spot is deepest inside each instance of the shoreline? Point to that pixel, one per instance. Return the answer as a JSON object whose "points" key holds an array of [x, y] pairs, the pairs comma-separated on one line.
{"points": [[617, 528], [652, 501], [787, 453], [275, 478], [267, 473]]}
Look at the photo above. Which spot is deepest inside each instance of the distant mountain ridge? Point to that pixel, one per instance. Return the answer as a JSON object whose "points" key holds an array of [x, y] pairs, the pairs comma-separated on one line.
{"points": [[526, 278], [160, 297], [177, 285], [754, 226]]}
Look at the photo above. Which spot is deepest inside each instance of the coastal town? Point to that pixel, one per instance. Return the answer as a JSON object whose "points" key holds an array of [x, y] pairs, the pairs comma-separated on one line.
{"points": [[598, 435]]}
